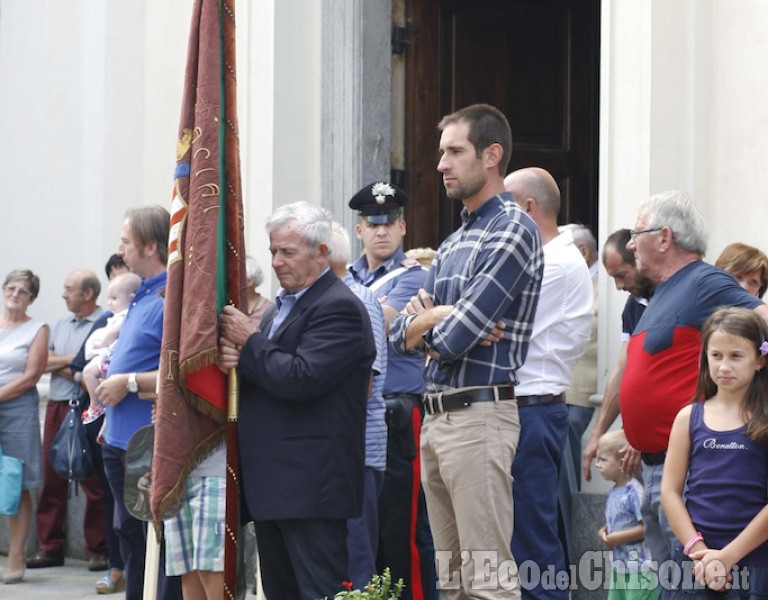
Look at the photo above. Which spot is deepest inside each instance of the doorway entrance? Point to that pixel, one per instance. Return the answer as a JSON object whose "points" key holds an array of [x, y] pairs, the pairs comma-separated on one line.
{"points": [[535, 60]]}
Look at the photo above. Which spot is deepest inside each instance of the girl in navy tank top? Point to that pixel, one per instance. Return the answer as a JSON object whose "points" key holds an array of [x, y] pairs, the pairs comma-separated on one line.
{"points": [[718, 456]]}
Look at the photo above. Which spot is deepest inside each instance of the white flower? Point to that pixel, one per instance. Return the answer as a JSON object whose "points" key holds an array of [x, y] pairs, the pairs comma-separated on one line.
{"points": [[381, 190]]}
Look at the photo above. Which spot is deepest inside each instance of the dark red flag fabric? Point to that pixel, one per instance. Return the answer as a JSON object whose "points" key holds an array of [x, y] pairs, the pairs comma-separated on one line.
{"points": [[205, 248]]}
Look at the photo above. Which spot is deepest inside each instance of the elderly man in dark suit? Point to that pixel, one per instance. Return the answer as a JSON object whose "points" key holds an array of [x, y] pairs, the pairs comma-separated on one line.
{"points": [[305, 378]]}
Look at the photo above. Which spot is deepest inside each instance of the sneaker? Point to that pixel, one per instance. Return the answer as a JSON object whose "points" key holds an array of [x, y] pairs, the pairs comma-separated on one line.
{"points": [[43, 559], [98, 562]]}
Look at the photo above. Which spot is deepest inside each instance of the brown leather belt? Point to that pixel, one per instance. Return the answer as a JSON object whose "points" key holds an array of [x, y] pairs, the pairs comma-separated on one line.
{"points": [[446, 401]]}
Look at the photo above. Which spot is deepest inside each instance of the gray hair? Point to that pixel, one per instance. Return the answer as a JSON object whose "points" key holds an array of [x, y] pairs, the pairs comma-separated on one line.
{"points": [[253, 272], [582, 235], [340, 248], [25, 275], [314, 222], [676, 210], [89, 281]]}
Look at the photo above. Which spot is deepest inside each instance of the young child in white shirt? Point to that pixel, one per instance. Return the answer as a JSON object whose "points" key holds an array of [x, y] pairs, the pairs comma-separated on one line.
{"points": [[99, 345]]}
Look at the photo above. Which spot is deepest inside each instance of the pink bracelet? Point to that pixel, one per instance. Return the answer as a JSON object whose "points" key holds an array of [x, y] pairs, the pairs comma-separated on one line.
{"points": [[692, 542]]}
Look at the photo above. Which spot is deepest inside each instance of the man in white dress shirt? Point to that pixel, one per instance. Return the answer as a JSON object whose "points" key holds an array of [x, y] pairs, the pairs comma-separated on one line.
{"points": [[560, 334]]}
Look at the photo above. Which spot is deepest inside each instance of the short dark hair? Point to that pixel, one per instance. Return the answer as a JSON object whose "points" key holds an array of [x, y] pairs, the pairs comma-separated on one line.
{"points": [[619, 240], [115, 261], [487, 125], [150, 224]]}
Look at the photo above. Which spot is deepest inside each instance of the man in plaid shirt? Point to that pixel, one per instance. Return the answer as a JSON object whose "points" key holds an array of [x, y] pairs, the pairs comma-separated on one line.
{"points": [[473, 321]]}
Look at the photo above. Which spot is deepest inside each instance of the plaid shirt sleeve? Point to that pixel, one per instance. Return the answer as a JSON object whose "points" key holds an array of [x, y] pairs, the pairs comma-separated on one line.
{"points": [[399, 325]]}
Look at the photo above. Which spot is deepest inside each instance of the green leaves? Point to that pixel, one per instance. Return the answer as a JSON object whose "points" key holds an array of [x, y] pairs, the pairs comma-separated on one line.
{"points": [[379, 588]]}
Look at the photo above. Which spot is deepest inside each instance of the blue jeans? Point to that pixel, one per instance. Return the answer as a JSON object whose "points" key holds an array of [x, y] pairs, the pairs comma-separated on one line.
{"points": [[658, 533], [113, 544], [132, 535], [579, 418], [543, 430]]}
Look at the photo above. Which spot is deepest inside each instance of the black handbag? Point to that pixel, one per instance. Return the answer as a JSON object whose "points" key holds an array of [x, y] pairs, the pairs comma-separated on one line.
{"points": [[70, 455]]}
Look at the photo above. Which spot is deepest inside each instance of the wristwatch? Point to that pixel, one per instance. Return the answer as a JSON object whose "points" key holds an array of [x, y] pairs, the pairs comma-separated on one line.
{"points": [[133, 385]]}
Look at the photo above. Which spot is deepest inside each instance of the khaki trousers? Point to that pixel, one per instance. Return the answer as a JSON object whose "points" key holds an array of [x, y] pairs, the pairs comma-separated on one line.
{"points": [[466, 466]]}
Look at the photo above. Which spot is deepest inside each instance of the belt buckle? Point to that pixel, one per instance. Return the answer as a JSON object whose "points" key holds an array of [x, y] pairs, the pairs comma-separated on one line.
{"points": [[433, 403]]}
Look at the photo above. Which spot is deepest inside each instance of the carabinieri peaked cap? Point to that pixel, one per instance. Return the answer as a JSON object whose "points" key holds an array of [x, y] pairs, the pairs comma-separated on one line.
{"points": [[379, 202]]}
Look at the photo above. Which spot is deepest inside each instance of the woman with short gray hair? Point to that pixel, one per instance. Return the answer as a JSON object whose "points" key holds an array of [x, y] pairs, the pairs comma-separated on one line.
{"points": [[23, 355]]}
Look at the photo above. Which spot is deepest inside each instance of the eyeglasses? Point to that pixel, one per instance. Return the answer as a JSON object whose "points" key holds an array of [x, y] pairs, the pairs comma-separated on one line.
{"points": [[12, 289], [634, 233]]}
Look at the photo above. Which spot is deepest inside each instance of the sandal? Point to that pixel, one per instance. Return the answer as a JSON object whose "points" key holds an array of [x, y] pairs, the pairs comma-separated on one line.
{"points": [[105, 585]]}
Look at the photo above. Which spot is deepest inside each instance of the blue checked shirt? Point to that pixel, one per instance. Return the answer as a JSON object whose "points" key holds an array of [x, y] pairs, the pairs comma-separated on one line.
{"points": [[375, 417], [490, 270]]}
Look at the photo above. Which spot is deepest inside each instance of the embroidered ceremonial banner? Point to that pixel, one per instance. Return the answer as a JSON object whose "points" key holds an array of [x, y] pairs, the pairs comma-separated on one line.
{"points": [[205, 266]]}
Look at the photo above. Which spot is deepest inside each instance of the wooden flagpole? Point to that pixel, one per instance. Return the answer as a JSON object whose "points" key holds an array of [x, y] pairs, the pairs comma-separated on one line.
{"points": [[232, 518], [235, 280], [152, 548], [151, 564]]}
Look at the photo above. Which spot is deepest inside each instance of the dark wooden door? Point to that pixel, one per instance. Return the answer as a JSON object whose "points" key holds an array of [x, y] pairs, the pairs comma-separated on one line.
{"points": [[535, 60]]}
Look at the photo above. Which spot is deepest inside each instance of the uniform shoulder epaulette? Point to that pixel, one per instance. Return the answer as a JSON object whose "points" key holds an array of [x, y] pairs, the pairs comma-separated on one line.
{"points": [[410, 263]]}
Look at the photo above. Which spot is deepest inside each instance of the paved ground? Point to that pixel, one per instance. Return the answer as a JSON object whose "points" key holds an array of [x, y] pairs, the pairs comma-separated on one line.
{"points": [[73, 581]]}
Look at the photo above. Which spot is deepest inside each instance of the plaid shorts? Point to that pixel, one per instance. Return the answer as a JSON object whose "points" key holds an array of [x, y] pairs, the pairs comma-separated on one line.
{"points": [[194, 538]]}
